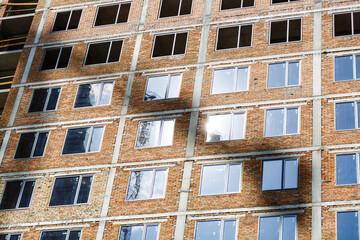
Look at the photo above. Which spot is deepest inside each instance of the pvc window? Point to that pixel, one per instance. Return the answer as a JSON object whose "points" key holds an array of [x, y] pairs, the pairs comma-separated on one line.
{"points": [[103, 52], [281, 122], [83, 140], [147, 184], [139, 232], [224, 127], [17, 194], [55, 58], [221, 179], [112, 14], [347, 68], [169, 44], [283, 1], [67, 20], [285, 74], [346, 24], [228, 80], [163, 87], [31, 145], [155, 133], [171, 8], [347, 169], [44, 99], [347, 115], [347, 225], [280, 174], [10, 236], [216, 230], [95, 94], [61, 235], [278, 227], [232, 4], [73, 190], [285, 31], [234, 37]]}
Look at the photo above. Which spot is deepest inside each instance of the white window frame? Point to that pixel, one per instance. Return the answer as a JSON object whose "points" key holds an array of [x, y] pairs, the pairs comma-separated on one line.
{"points": [[160, 132], [285, 121], [34, 145], [357, 160], [20, 194], [169, 76], [173, 45], [242, 6], [286, 73], [101, 93], [356, 116], [67, 25], [281, 225], [287, 30], [117, 14], [67, 232], [108, 53], [179, 9], [58, 58], [235, 78], [221, 235], [352, 23], [354, 67], [8, 235], [239, 34], [144, 229], [46, 101]]}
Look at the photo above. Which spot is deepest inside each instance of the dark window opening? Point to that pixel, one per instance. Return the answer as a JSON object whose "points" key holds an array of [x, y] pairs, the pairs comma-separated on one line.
{"points": [[285, 31], [171, 44], [17, 194], [10, 236], [104, 52], [347, 24], [31, 145], [231, 4], [61, 235], [55, 58], [171, 8], [68, 20], [283, 1], [234, 37], [112, 14], [44, 99]]}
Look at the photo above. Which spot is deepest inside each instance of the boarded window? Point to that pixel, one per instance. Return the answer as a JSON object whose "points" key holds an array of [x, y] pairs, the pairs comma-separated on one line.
{"points": [[170, 8], [103, 52], [285, 31], [31, 145], [234, 37], [112, 14], [44, 99], [17, 194], [55, 58], [68, 20], [95, 94], [347, 24], [169, 44], [231, 4]]}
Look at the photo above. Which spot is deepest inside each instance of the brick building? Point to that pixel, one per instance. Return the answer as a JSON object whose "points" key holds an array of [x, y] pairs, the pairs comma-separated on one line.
{"points": [[188, 119]]}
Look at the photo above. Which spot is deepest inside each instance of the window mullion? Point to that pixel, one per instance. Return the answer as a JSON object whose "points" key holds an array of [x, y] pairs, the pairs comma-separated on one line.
{"points": [[283, 174], [287, 30], [160, 132], [356, 115], [235, 79], [357, 169], [285, 121], [89, 140], [117, 14], [352, 23], [179, 9], [20, 194], [227, 178], [47, 99], [238, 38], [144, 232], [168, 86], [152, 183], [58, 59], [100, 94], [108, 53], [286, 74], [34, 145], [68, 22], [222, 229], [354, 66], [281, 227], [77, 190], [242, 4], [67, 234], [231, 126], [173, 46]]}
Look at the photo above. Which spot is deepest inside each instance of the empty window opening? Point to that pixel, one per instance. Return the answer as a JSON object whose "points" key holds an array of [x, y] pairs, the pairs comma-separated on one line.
{"points": [[229, 80], [112, 14], [68, 20], [61, 235], [234, 37], [282, 121], [170, 8], [44, 99], [285, 74], [17, 194], [31, 145], [283, 1], [103, 52], [232, 4], [278, 227], [155, 133], [10, 236], [163, 87], [347, 115], [216, 229], [55, 58], [139, 232], [224, 127], [95, 94], [285, 31], [71, 190], [347, 24], [169, 44]]}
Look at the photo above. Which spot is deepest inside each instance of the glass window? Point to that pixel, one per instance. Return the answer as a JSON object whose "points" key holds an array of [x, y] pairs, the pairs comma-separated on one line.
{"points": [[234, 37], [347, 168], [55, 58], [285, 74], [282, 1], [163, 87], [10, 236], [347, 68], [282, 121], [216, 230], [221, 179], [17, 194], [112, 14], [347, 225], [139, 232], [278, 227], [44, 99], [61, 235], [95, 94], [31, 145], [103, 52], [346, 115], [169, 44], [71, 190], [346, 24], [147, 184], [285, 31], [280, 174], [223, 127], [229, 80], [83, 140], [155, 133], [171, 8], [232, 4], [67, 20]]}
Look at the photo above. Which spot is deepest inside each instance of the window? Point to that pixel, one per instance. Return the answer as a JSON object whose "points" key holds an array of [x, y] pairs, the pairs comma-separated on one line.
{"points": [[61, 235], [216, 230], [83, 140], [285, 74], [171, 8], [224, 127], [112, 14], [234, 37], [55, 58], [347, 115], [346, 24], [283, 1], [95, 94], [285, 31], [103, 52], [44, 99], [280, 174], [163, 87], [17, 194], [67, 20], [148, 184], [229, 80], [169, 44], [347, 169], [10, 236], [155, 133], [31, 145], [278, 227], [221, 179], [282, 121], [347, 225], [231, 4], [347, 68], [71, 190], [139, 232]]}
